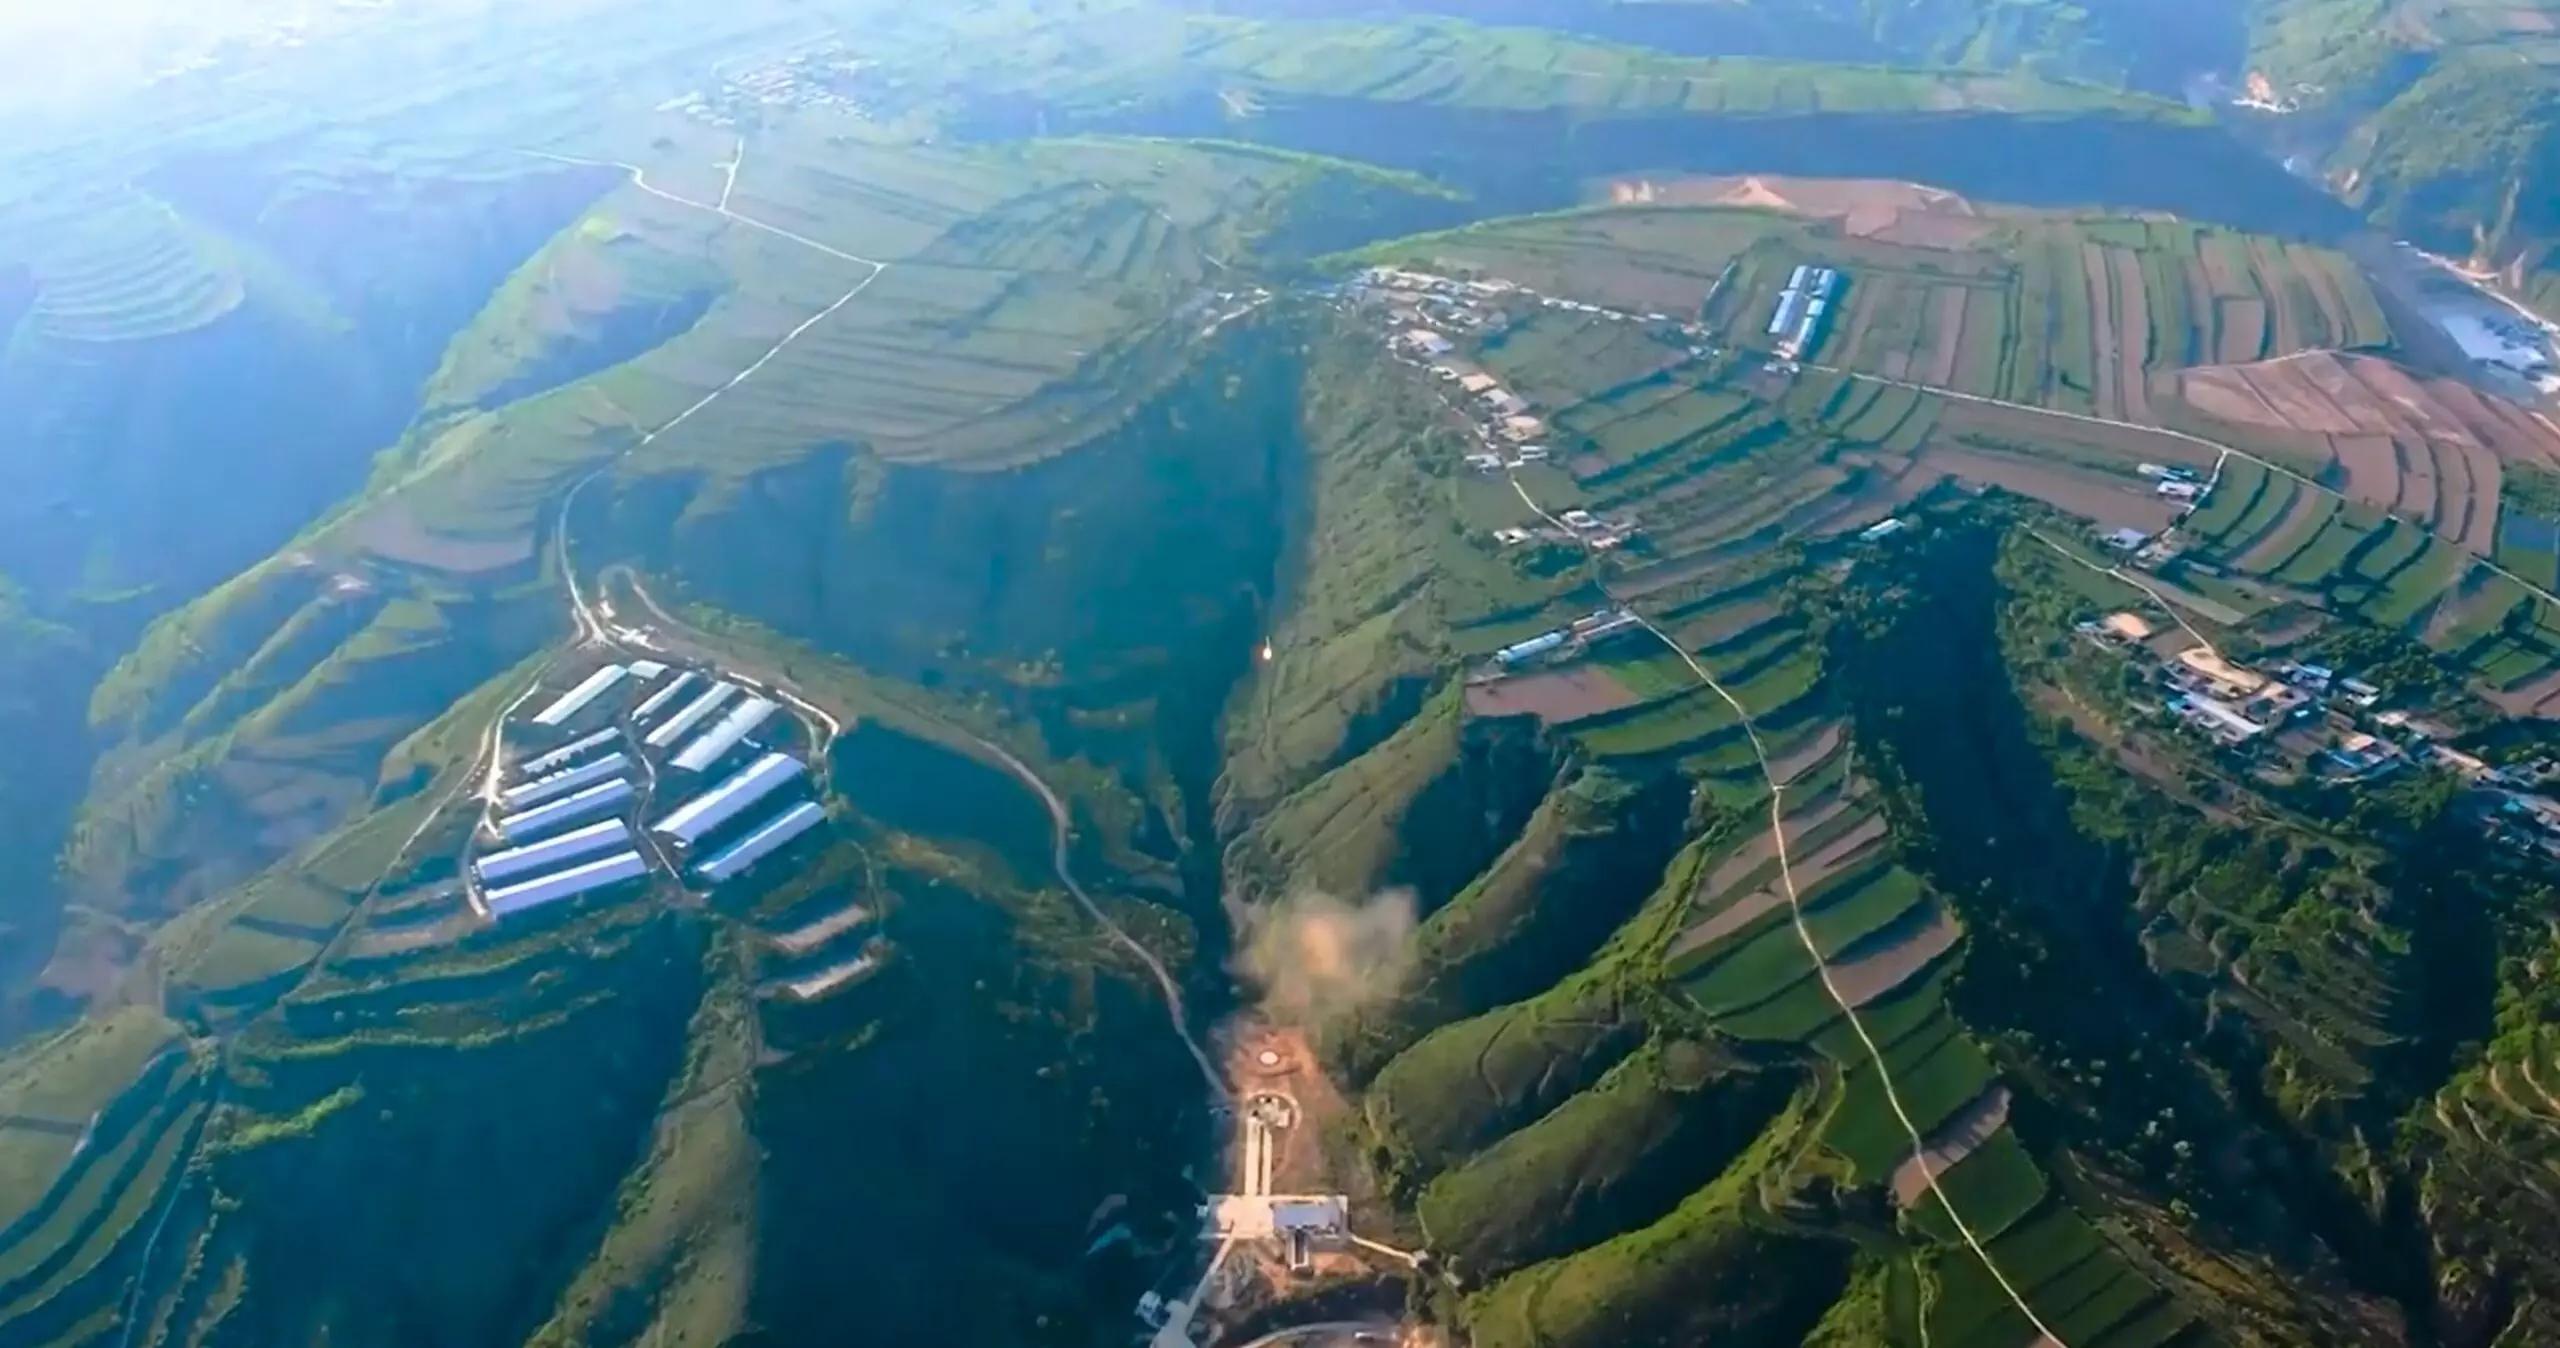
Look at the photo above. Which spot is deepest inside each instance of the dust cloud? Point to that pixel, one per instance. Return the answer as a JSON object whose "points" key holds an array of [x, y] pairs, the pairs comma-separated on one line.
{"points": [[1315, 957]]}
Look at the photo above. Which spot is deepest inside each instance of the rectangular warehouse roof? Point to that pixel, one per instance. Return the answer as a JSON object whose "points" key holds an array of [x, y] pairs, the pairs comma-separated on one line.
{"points": [[567, 884], [541, 819], [575, 700], [681, 724], [649, 705], [568, 753], [532, 857], [730, 798], [559, 784], [707, 748], [756, 846], [645, 670]]}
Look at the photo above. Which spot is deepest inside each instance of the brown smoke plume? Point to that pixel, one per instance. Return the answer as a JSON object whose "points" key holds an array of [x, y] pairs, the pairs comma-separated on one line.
{"points": [[1316, 957]]}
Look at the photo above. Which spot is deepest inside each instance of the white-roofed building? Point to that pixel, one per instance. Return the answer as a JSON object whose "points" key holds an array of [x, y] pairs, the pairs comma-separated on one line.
{"points": [[767, 838], [577, 699], [568, 884], [541, 819], [693, 714], [712, 745], [698, 817], [498, 867]]}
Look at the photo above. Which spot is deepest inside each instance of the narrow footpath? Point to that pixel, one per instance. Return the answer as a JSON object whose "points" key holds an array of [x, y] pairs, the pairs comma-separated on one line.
{"points": [[1812, 948]]}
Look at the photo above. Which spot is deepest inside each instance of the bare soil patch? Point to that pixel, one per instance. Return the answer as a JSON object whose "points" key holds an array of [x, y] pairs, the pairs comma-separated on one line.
{"points": [[1953, 1141], [2242, 325], [2536, 696], [1890, 958], [1762, 848], [1786, 768], [1558, 697], [2284, 386], [1905, 213], [2340, 387], [2222, 393], [392, 532], [2108, 500], [1862, 840]]}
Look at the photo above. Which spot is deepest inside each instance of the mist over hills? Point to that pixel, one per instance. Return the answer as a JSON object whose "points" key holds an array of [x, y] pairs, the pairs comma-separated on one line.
{"points": [[1783, 672]]}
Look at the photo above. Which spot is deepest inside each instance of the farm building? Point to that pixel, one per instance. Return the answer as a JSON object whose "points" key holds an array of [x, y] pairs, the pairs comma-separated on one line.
{"points": [[709, 747], [1790, 311], [2217, 718], [1530, 649], [1523, 427], [1479, 382], [2127, 540], [527, 825], [2495, 339], [569, 753], [645, 670], [694, 713], [697, 817], [1881, 529], [568, 884], [767, 838], [650, 705], [2361, 756], [577, 699], [533, 857], [1423, 341], [559, 784]]}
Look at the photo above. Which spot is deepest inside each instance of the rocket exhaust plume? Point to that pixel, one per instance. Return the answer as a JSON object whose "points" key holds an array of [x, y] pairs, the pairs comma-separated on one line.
{"points": [[1315, 957]]}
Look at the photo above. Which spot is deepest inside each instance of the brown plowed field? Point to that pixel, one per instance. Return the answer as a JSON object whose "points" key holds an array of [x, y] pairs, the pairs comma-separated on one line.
{"points": [[1954, 1140], [2220, 392], [2416, 464], [2133, 315], [1762, 849], [1946, 334], [1557, 698], [2243, 324], [2109, 500], [2446, 440], [1890, 959], [2105, 333], [1814, 754], [1866, 208], [2285, 385], [1863, 840], [2537, 696]]}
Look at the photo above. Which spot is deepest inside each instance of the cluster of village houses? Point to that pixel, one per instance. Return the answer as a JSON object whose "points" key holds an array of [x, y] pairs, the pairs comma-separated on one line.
{"points": [[2332, 724], [1422, 309]]}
